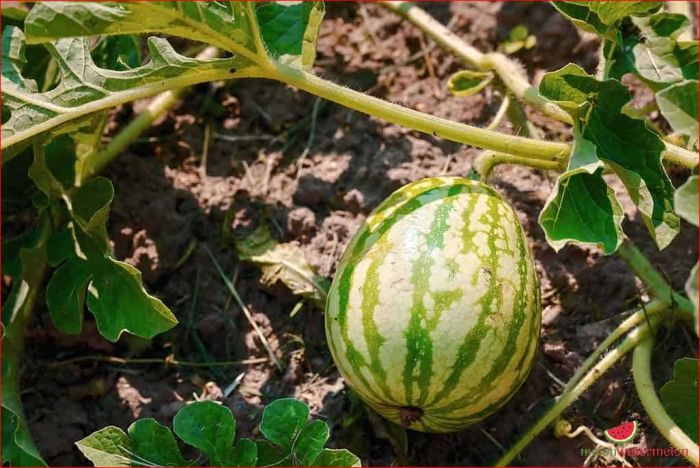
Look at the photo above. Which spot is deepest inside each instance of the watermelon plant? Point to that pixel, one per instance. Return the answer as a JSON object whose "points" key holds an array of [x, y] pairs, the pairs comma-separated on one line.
{"points": [[433, 315]]}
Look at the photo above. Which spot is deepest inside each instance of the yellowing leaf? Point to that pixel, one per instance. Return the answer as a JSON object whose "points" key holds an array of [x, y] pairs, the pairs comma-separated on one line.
{"points": [[283, 263], [468, 82]]}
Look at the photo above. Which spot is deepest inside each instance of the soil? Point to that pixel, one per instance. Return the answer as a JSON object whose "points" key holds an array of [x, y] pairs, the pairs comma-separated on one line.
{"points": [[314, 184]]}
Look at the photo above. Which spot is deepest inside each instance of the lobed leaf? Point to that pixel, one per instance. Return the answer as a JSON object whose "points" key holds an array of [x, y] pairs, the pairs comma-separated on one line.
{"points": [[255, 34], [311, 441], [119, 302], [282, 422], [604, 17], [604, 134], [115, 293], [583, 209], [109, 446], [651, 51], [85, 88], [209, 427], [154, 442], [222, 24]]}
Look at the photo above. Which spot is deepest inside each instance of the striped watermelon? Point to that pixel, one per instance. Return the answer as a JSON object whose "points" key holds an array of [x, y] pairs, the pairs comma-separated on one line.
{"points": [[433, 316]]}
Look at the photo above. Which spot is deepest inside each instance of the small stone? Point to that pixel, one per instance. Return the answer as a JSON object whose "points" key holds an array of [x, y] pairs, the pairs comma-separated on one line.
{"points": [[354, 200], [301, 222]]}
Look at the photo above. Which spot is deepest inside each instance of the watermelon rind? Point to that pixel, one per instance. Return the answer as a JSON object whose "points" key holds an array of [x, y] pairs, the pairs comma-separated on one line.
{"points": [[433, 317], [621, 440]]}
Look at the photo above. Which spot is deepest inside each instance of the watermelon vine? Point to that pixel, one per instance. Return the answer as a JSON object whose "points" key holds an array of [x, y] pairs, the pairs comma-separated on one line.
{"points": [[66, 253]]}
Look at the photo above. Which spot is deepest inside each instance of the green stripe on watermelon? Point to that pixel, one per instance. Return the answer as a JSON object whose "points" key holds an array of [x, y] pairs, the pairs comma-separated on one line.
{"points": [[436, 282]]}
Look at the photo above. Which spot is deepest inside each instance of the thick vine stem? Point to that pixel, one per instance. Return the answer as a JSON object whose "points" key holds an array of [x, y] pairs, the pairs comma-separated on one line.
{"points": [[507, 70], [487, 160], [641, 370], [571, 394], [680, 156], [461, 133]]}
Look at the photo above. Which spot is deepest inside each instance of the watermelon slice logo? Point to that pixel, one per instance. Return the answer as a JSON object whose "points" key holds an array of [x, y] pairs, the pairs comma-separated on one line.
{"points": [[623, 433]]}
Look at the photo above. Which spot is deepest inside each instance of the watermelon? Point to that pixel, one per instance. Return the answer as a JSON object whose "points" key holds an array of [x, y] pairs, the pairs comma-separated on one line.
{"points": [[623, 433], [433, 316]]}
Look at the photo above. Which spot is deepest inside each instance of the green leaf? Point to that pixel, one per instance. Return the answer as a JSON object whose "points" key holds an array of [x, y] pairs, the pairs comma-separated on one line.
{"points": [[311, 441], [648, 47], [680, 396], [290, 30], [283, 420], [254, 34], [687, 200], [116, 296], [283, 263], [639, 39], [603, 18], [679, 105], [221, 24], [582, 209], [154, 442], [603, 133], [336, 457], [210, 428], [658, 56], [109, 446], [65, 295], [119, 302], [244, 454], [207, 426], [83, 85], [468, 82]]}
